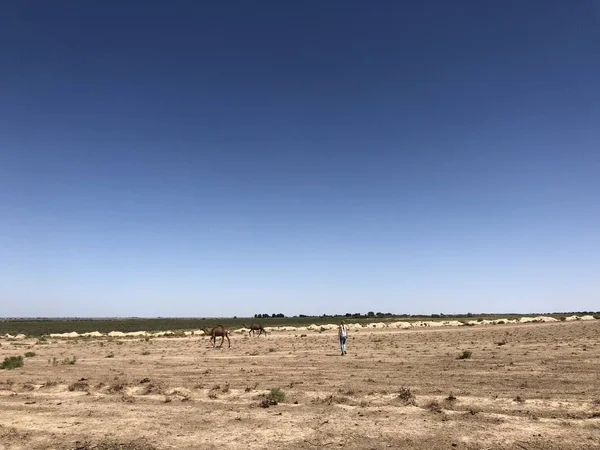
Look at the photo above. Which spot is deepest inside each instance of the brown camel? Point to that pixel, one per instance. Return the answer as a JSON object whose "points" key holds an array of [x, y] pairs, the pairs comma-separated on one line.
{"points": [[254, 328], [219, 330]]}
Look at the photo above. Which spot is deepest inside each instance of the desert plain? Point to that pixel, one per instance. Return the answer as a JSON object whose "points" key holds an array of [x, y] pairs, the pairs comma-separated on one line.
{"points": [[529, 386]]}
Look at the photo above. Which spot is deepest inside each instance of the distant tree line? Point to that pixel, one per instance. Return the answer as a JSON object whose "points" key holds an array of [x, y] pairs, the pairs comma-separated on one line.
{"points": [[372, 314]]}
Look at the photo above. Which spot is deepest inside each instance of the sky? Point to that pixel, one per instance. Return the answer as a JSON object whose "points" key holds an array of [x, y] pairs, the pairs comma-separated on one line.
{"points": [[210, 159]]}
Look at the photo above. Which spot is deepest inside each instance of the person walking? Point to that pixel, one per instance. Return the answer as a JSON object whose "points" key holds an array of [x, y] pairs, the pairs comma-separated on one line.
{"points": [[343, 335]]}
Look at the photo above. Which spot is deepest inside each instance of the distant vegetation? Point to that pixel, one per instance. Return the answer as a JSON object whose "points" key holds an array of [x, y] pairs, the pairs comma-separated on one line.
{"points": [[12, 362], [44, 326]]}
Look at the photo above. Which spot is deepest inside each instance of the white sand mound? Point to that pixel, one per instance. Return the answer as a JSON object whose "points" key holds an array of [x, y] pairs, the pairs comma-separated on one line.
{"points": [[545, 319], [526, 319], [116, 334], [452, 323], [92, 334], [198, 333], [22, 336], [587, 317], [431, 323], [73, 334], [399, 325], [312, 327], [571, 318], [136, 333]]}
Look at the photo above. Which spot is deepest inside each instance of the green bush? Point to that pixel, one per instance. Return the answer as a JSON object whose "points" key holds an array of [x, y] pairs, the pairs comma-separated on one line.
{"points": [[12, 362], [29, 355], [69, 362], [466, 354], [277, 395]]}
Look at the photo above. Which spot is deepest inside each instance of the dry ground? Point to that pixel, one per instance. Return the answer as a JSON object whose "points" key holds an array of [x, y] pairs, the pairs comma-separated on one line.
{"points": [[538, 390]]}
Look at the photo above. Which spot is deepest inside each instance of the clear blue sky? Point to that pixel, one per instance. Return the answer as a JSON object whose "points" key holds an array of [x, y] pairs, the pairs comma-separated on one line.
{"points": [[232, 158]]}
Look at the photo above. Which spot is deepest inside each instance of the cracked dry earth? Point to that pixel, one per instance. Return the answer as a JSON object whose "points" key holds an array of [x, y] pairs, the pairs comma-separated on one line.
{"points": [[533, 386]]}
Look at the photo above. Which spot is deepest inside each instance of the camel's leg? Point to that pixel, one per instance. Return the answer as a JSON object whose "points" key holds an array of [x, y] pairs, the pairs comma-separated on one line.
{"points": [[222, 340], [228, 341]]}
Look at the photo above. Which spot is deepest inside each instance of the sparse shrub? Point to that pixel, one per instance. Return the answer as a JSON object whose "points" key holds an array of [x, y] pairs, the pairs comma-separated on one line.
{"points": [[12, 362], [110, 355], [225, 388], [212, 394], [466, 354], [303, 335], [271, 350], [562, 318], [434, 406], [117, 386], [145, 353], [451, 397], [501, 343], [519, 399], [29, 354], [266, 402], [69, 361], [406, 396], [597, 316], [276, 394], [332, 399], [53, 361], [151, 388], [81, 385]]}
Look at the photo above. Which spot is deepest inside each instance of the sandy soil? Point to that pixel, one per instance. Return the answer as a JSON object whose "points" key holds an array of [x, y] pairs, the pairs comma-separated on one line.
{"points": [[530, 386]]}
